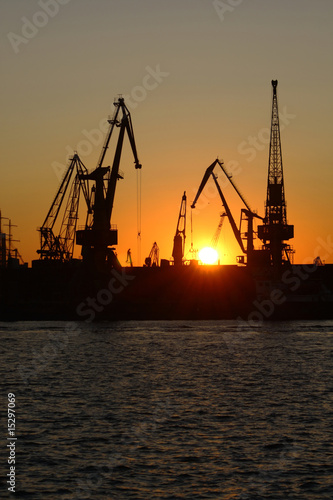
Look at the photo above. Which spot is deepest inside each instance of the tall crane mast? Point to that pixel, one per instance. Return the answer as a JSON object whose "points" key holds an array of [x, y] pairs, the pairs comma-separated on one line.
{"points": [[275, 229], [98, 235], [179, 239]]}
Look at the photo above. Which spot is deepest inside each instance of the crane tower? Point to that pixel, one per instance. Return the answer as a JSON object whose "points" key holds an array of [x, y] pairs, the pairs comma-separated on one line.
{"points": [[179, 239], [275, 230], [99, 234]]}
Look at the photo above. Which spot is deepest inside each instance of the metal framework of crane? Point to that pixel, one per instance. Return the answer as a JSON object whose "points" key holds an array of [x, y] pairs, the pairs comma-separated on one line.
{"points": [[216, 236], [275, 229], [180, 236], [245, 212], [98, 236], [60, 246], [153, 259]]}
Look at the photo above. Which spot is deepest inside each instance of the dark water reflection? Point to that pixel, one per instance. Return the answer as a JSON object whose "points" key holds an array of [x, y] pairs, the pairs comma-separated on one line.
{"points": [[167, 410]]}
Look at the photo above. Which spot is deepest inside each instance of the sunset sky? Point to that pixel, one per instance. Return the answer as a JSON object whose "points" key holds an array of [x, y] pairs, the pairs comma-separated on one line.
{"points": [[196, 76]]}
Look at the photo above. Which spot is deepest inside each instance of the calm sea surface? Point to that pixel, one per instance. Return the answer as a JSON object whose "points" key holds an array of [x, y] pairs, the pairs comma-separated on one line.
{"points": [[169, 410]]}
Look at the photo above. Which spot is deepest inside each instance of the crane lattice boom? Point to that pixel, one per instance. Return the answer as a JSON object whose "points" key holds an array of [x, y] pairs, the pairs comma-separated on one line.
{"points": [[61, 246]]}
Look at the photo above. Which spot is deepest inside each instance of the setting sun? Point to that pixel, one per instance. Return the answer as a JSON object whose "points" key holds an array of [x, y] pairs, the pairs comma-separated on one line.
{"points": [[208, 255]]}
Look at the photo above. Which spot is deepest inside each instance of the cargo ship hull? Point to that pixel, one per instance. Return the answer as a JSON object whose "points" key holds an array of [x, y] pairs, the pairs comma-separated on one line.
{"points": [[70, 291]]}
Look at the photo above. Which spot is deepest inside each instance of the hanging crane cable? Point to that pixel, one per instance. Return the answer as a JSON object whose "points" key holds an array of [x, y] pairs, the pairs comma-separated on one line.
{"points": [[138, 209], [193, 251]]}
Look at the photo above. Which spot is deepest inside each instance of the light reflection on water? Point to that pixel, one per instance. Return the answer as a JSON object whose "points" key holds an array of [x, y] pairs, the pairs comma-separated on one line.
{"points": [[164, 410]]}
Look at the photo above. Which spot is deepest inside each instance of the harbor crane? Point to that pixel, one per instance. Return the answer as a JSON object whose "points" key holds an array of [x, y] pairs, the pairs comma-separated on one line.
{"points": [[98, 236], [246, 213], [180, 236], [60, 245], [153, 259], [275, 230]]}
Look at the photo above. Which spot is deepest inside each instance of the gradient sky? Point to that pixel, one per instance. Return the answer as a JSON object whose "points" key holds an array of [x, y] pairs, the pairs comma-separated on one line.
{"points": [[212, 98]]}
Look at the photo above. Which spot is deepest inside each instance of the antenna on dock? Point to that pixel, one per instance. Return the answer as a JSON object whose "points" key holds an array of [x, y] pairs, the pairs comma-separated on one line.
{"points": [[138, 211], [8, 256]]}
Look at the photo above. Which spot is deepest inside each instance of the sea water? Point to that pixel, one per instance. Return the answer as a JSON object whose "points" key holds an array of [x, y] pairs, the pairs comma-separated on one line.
{"points": [[169, 410]]}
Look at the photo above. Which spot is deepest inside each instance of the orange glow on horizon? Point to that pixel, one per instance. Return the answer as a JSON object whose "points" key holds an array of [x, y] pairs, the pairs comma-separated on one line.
{"points": [[189, 103]]}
